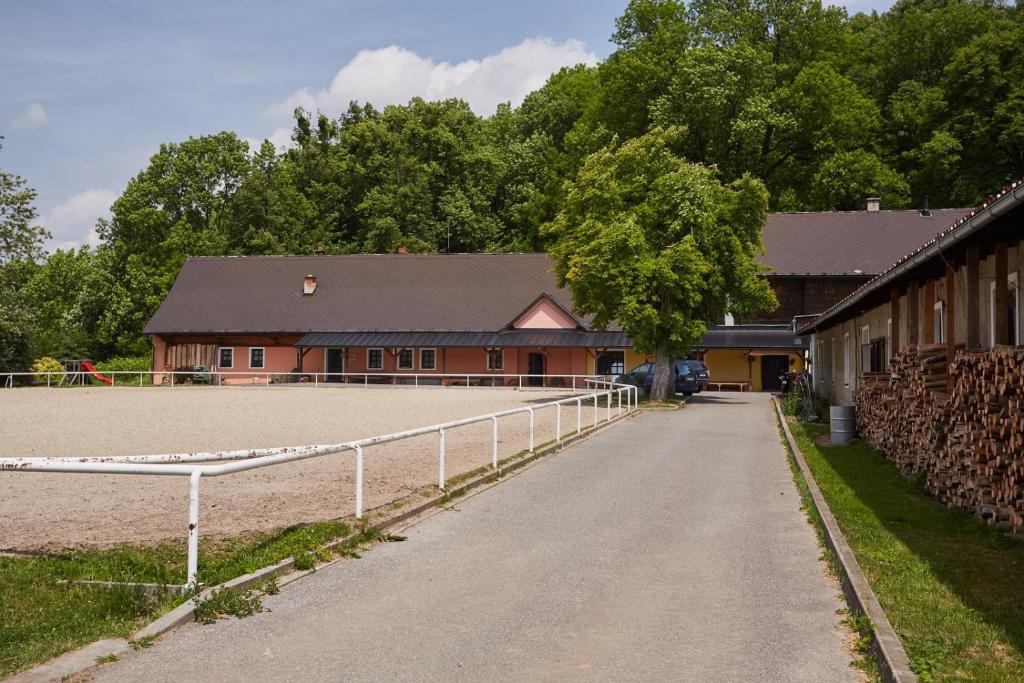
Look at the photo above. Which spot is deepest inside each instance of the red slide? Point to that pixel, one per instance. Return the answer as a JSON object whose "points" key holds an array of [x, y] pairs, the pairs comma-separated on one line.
{"points": [[91, 369]]}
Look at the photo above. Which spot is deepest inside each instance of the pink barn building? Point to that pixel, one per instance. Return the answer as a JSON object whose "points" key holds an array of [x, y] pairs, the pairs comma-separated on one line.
{"points": [[423, 314]]}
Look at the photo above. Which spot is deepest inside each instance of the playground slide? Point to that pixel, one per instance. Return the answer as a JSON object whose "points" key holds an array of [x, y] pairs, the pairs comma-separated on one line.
{"points": [[91, 369]]}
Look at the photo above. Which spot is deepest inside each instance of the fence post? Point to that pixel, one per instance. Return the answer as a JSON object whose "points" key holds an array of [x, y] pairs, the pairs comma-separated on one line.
{"points": [[48, 380], [619, 393], [595, 409], [172, 378], [558, 422], [193, 526], [574, 384], [359, 482], [520, 381], [140, 379], [531, 430], [579, 416], [440, 461], [608, 408], [494, 441], [366, 380]]}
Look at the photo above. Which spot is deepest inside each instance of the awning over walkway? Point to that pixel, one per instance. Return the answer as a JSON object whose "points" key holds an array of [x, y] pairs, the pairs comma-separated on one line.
{"points": [[503, 339], [752, 337]]}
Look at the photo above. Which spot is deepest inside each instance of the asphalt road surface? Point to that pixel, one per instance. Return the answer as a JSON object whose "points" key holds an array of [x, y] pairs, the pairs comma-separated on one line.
{"points": [[669, 547]]}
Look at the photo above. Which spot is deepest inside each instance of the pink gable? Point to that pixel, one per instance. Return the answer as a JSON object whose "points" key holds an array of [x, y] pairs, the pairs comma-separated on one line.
{"points": [[544, 315]]}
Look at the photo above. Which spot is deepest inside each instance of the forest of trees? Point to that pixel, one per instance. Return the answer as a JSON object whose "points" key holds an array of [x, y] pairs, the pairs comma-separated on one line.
{"points": [[824, 108]]}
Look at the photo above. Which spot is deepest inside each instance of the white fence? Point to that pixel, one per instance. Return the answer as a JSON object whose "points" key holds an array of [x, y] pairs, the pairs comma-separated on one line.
{"points": [[122, 378], [188, 464]]}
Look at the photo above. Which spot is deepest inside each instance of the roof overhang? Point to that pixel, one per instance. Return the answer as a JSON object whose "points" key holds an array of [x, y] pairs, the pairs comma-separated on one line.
{"points": [[774, 337], [1009, 199], [532, 338]]}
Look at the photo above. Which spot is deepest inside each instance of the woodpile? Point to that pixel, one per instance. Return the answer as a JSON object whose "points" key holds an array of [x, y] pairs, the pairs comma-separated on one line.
{"points": [[968, 444]]}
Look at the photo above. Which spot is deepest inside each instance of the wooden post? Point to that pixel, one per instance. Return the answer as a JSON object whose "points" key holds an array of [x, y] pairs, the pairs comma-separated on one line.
{"points": [[913, 310], [950, 322], [929, 312], [1002, 332], [972, 304], [894, 313]]}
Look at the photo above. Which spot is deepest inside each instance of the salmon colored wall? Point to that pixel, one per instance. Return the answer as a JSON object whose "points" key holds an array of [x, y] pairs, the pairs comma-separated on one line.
{"points": [[545, 315]]}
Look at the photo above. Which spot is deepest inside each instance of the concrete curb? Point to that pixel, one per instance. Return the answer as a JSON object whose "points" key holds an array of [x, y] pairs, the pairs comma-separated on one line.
{"points": [[893, 663], [84, 658]]}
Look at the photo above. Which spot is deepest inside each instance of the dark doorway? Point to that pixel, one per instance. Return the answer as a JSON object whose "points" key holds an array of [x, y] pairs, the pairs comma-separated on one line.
{"points": [[335, 364], [535, 368], [772, 368]]}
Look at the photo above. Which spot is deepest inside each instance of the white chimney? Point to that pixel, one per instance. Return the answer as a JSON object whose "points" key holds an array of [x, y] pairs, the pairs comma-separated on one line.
{"points": [[874, 204], [308, 285]]}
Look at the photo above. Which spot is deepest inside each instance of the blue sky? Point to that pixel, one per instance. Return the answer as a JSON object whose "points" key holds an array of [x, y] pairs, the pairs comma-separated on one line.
{"points": [[90, 90]]}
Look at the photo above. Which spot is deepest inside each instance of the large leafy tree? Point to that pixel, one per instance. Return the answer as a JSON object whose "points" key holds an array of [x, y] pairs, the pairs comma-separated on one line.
{"points": [[659, 246], [20, 238]]}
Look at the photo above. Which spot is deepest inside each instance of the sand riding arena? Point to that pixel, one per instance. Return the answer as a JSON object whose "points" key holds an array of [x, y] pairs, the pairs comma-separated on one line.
{"points": [[51, 511]]}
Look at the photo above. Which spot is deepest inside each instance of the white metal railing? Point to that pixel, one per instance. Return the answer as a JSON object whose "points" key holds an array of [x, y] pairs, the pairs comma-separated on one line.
{"points": [[259, 378], [188, 464]]}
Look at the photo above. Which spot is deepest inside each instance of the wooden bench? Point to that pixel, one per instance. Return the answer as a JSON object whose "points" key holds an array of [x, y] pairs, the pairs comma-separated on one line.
{"points": [[729, 386]]}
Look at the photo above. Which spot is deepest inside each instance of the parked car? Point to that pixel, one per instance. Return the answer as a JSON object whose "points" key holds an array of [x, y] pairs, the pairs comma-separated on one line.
{"points": [[686, 381], [702, 372]]}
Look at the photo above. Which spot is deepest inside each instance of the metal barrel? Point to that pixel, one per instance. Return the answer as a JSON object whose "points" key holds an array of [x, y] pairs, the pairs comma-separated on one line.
{"points": [[844, 426]]}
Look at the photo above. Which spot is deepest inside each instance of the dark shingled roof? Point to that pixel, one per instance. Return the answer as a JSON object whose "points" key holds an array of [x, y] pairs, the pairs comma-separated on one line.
{"points": [[752, 337], [845, 242], [371, 292]]}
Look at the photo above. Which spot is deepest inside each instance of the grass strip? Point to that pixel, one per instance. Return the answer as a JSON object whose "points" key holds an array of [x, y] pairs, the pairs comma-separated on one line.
{"points": [[950, 585], [41, 617]]}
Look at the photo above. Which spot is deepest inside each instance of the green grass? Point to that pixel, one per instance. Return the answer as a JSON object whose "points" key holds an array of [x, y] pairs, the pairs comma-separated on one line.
{"points": [[41, 617], [951, 586]]}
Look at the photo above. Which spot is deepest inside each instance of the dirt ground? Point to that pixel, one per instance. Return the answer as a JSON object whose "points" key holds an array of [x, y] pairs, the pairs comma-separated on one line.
{"points": [[51, 511]]}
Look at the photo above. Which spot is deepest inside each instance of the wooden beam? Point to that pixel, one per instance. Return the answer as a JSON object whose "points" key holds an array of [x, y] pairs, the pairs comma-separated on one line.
{"points": [[894, 313], [973, 302], [950, 323], [929, 312], [1002, 282], [913, 311]]}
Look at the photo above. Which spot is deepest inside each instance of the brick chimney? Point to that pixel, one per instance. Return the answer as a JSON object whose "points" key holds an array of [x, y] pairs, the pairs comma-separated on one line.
{"points": [[308, 285], [874, 204]]}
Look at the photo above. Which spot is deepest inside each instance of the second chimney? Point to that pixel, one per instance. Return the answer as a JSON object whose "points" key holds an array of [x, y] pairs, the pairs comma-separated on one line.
{"points": [[874, 204], [308, 285]]}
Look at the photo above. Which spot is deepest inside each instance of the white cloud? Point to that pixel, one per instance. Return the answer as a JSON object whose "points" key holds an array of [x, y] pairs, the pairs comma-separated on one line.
{"points": [[394, 75], [281, 138], [73, 222], [34, 116]]}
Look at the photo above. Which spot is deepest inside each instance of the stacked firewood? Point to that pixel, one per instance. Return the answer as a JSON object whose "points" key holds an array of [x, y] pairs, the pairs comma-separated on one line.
{"points": [[969, 444]]}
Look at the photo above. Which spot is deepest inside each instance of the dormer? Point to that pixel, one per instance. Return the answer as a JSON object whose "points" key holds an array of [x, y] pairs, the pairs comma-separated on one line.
{"points": [[545, 314]]}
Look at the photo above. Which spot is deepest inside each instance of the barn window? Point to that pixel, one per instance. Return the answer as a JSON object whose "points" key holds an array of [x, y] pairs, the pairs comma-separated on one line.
{"points": [[428, 359], [226, 357], [256, 357], [938, 320], [496, 359], [375, 359], [405, 359]]}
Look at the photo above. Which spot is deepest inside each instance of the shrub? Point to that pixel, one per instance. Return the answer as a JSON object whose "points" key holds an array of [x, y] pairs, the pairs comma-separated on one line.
{"points": [[49, 364], [125, 364]]}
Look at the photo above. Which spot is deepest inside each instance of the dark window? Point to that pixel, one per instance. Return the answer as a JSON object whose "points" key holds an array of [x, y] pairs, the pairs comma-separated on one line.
{"points": [[611, 363], [255, 358], [428, 359], [405, 359], [227, 358], [375, 359], [878, 356], [496, 360]]}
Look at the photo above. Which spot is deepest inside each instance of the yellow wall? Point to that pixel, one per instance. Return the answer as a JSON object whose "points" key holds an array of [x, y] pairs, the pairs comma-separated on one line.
{"points": [[633, 359], [739, 365]]}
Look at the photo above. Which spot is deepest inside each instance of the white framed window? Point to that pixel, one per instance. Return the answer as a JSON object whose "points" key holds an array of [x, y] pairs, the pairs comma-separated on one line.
{"points": [[496, 359], [375, 359], [257, 357], [428, 359], [865, 335], [888, 338], [226, 357], [847, 360], [405, 359], [1013, 307], [938, 322]]}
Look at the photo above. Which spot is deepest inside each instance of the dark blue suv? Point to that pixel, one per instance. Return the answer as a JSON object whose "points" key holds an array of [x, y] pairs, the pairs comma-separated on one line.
{"points": [[687, 383]]}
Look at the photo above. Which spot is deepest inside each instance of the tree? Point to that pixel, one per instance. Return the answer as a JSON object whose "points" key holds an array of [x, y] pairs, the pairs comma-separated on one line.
{"points": [[19, 238], [659, 245], [847, 178]]}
